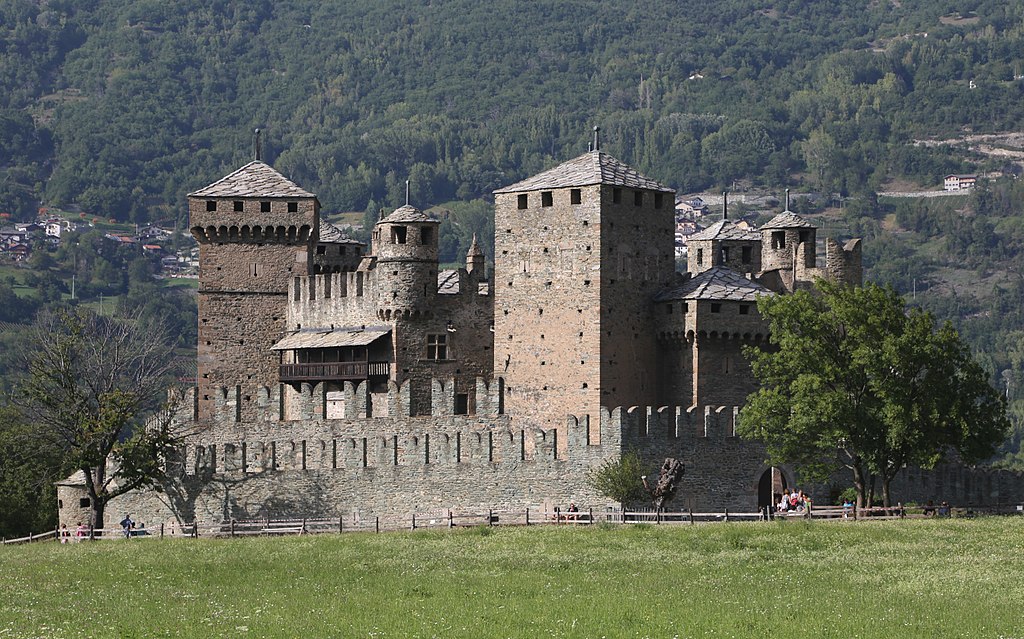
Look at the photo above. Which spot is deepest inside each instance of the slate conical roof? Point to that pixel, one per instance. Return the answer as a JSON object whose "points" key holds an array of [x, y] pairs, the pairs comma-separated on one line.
{"points": [[255, 179], [788, 220], [716, 283], [593, 167], [725, 230], [408, 213]]}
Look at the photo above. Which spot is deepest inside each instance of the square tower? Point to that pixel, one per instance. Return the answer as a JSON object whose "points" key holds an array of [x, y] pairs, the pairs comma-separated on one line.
{"points": [[580, 251], [256, 230]]}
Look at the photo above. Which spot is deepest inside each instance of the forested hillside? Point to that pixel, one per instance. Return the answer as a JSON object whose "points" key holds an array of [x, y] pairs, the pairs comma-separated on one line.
{"points": [[122, 106]]}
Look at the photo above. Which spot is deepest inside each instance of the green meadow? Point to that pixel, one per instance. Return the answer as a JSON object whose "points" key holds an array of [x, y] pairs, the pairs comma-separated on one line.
{"points": [[920, 578]]}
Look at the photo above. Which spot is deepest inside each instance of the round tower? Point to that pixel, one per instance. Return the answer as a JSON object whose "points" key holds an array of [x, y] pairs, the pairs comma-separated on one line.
{"points": [[405, 244]]}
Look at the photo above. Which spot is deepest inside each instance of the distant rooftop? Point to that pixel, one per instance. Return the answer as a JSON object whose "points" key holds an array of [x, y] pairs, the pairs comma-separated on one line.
{"points": [[593, 167], [716, 283], [726, 230], [255, 179], [331, 234]]}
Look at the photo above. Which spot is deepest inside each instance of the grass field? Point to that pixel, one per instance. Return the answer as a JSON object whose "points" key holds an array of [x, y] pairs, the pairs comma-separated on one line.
{"points": [[950, 578]]}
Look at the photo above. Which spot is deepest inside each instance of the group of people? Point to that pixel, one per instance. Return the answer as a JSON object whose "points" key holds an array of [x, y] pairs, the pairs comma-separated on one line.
{"points": [[796, 502], [81, 532]]}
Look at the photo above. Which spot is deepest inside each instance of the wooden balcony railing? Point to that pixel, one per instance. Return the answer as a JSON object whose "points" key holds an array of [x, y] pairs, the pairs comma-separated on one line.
{"points": [[330, 371]]}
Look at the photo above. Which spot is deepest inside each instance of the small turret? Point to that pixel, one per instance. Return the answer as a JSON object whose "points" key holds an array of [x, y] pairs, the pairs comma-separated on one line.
{"points": [[475, 259], [405, 244]]}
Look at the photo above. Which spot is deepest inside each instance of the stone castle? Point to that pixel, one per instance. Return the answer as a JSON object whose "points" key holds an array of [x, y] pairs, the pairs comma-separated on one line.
{"points": [[339, 380]]}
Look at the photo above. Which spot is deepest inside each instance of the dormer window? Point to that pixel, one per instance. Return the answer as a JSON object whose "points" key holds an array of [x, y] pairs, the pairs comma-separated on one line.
{"points": [[398, 234]]}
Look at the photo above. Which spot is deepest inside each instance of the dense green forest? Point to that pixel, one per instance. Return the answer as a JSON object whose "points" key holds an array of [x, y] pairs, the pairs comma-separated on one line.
{"points": [[122, 106], [118, 108]]}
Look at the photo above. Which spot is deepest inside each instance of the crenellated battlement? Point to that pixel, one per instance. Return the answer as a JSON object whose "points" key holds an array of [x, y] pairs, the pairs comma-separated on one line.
{"points": [[325, 286]]}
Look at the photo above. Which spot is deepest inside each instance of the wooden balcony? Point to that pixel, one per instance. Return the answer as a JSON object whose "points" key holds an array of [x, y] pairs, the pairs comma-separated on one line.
{"points": [[334, 371]]}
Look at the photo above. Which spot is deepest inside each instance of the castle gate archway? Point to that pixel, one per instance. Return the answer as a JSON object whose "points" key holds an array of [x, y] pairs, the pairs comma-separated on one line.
{"points": [[770, 487]]}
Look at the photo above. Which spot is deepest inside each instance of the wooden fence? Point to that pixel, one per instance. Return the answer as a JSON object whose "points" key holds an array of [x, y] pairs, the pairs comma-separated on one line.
{"points": [[459, 519]]}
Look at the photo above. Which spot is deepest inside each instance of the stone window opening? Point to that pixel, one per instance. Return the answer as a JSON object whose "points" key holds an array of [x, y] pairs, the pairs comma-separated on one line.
{"points": [[546, 198], [575, 197], [540, 311], [724, 254], [265, 206], [426, 236], [716, 308], [462, 403], [638, 198], [746, 254], [523, 201], [211, 205], [584, 385], [84, 502], [398, 234], [617, 196], [700, 257], [586, 282], [726, 364], [293, 207], [437, 347], [238, 206], [659, 200], [778, 239], [804, 236], [321, 250], [668, 309], [744, 309]]}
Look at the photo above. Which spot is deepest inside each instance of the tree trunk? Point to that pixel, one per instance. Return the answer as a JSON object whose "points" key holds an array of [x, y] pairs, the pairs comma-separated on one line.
{"points": [[871, 492], [99, 506], [858, 484], [886, 480]]}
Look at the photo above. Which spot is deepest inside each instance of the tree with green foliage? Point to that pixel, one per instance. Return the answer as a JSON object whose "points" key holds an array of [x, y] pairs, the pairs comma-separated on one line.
{"points": [[90, 383], [855, 380], [620, 478]]}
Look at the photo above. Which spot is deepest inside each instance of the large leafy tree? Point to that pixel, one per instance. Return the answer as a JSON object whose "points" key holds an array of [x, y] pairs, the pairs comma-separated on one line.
{"points": [[96, 390], [854, 379]]}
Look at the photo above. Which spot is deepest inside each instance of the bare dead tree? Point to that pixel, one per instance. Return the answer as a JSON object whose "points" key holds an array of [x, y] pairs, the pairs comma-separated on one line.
{"points": [[669, 475], [96, 387]]}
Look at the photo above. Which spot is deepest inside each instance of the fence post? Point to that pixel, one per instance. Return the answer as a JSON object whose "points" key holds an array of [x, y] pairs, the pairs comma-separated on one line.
{"points": [[414, 521], [451, 521], [195, 529], [903, 513], [376, 523], [303, 532], [726, 514], [161, 530], [232, 526], [341, 525], [855, 512], [527, 516], [92, 531], [590, 515], [690, 512], [490, 517]]}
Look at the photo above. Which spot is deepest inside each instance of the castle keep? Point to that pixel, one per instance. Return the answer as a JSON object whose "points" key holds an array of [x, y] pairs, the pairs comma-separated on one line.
{"points": [[339, 379]]}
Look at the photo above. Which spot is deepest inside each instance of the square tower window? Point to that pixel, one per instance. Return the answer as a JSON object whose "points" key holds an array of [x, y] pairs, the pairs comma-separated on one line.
{"points": [[778, 239], [398, 234], [238, 205], [716, 308], [437, 347], [524, 201], [546, 198], [659, 200], [293, 207], [211, 205], [575, 196], [804, 236], [700, 257], [638, 198], [265, 206], [745, 255], [426, 236], [617, 196], [744, 309]]}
